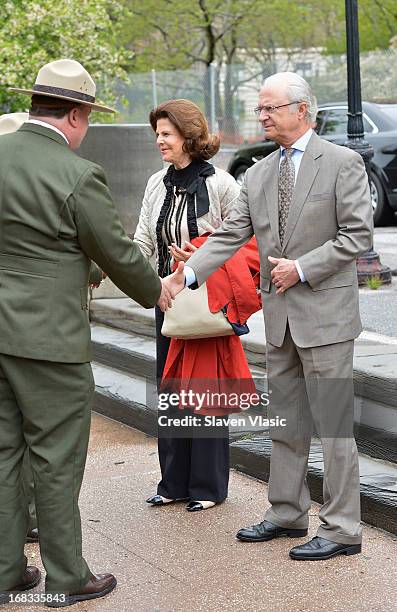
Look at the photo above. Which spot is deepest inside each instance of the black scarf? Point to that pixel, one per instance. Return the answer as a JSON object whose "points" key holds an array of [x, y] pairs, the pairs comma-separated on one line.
{"points": [[197, 205]]}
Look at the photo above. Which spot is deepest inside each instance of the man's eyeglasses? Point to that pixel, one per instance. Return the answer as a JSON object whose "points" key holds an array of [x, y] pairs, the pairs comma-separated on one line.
{"points": [[269, 110]]}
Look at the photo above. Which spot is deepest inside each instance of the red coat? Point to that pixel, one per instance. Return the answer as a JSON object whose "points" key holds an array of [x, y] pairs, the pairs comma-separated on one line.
{"points": [[219, 365]]}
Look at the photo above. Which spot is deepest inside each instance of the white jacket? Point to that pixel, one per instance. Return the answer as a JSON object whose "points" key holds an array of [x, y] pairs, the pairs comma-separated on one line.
{"points": [[222, 191]]}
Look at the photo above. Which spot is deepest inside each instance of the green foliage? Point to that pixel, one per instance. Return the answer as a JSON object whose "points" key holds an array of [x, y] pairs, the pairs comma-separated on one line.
{"points": [[39, 31], [377, 24], [160, 33], [246, 436], [374, 282], [170, 34], [245, 40], [114, 37]]}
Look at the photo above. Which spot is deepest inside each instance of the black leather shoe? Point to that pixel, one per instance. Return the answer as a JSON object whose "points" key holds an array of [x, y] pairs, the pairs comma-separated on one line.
{"points": [[266, 530], [320, 548], [32, 536], [30, 579]]}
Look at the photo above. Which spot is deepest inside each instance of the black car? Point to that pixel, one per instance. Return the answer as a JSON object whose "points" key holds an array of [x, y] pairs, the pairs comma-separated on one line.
{"points": [[380, 125]]}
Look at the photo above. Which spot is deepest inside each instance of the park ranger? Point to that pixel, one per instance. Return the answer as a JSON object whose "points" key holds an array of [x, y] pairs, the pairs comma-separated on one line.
{"points": [[56, 215], [9, 123]]}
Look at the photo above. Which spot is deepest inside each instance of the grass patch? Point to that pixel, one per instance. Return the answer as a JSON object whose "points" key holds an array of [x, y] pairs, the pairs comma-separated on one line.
{"points": [[246, 436], [373, 283]]}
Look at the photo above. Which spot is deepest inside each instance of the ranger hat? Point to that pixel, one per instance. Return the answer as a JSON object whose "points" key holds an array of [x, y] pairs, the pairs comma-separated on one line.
{"points": [[11, 122], [66, 79]]}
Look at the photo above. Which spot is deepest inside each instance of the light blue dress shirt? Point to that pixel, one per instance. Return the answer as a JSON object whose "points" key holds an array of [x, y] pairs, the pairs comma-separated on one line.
{"points": [[190, 276], [299, 148]]}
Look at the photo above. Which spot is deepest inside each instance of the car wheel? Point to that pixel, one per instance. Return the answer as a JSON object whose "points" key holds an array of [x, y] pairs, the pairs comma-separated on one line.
{"points": [[239, 173], [380, 206]]}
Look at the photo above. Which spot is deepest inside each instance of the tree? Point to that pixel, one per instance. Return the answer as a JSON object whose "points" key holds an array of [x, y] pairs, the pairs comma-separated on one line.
{"points": [[182, 33], [172, 34], [244, 39], [46, 30], [377, 24], [254, 40]]}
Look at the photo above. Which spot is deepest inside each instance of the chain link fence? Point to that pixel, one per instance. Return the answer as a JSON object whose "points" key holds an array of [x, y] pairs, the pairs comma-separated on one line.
{"points": [[227, 94]]}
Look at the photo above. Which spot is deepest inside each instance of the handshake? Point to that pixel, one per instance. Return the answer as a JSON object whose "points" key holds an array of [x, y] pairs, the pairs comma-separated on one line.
{"points": [[170, 287], [283, 275], [174, 283]]}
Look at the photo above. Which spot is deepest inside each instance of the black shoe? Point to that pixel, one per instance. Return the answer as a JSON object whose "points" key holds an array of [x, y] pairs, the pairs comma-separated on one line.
{"points": [[158, 500], [266, 530], [32, 536], [320, 548], [196, 506]]}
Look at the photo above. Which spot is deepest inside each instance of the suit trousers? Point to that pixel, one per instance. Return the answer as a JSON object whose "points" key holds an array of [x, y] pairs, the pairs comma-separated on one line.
{"points": [[313, 387], [45, 407]]}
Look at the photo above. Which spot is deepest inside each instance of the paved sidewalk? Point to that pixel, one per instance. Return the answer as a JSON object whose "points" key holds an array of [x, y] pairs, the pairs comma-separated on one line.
{"points": [[168, 560]]}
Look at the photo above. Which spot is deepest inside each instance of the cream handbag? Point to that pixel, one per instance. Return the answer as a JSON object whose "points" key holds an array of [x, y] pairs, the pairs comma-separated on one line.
{"points": [[190, 317]]}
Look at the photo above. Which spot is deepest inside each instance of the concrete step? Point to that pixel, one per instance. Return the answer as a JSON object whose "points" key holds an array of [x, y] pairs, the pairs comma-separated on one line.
{"points": [[378, 479], [133, 352], [127, 315], [127, 399], [131, 399], [124, 351], [375, 429], [375, 356]]}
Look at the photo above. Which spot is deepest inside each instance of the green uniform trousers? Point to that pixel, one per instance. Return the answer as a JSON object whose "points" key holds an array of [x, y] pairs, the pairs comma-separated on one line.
{"points": [[46, 407], [28, 490]]}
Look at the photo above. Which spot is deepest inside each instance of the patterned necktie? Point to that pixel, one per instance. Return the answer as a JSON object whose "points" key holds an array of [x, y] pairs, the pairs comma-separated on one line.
{"points": [[286, 183]]}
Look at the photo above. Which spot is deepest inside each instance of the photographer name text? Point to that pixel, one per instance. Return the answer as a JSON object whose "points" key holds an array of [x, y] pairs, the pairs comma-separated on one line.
{"points": [[217, 421]]}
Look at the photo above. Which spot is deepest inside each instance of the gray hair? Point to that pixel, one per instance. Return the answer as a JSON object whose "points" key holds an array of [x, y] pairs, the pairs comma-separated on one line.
{"points": [[297, 89]]}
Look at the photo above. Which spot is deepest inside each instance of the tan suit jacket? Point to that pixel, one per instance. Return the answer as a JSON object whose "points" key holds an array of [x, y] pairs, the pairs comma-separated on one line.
{"points": [[329, 226]]}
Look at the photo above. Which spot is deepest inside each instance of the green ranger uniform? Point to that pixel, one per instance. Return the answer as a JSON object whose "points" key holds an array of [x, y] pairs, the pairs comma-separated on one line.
{"points": [[26, 474], [28, 490], [56, 214]]}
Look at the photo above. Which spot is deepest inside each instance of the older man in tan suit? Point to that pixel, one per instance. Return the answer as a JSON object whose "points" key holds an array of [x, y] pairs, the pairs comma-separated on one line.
{"points": [[308, 205]]}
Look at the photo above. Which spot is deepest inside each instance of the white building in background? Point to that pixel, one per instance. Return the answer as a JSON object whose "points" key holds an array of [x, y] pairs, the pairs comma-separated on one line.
{"points": [[327, 74], [310, 63]]}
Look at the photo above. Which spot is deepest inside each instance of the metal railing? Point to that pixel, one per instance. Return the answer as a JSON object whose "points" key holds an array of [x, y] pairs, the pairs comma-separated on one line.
{"points": [[227, 94]]}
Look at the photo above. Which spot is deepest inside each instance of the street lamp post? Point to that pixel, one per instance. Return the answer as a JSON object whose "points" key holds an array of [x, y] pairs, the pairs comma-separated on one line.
{"points": [[369, 265]]}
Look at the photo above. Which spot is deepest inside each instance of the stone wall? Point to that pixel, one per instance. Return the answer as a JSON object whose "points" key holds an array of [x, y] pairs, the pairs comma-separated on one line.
{"points": [[129, 156]]}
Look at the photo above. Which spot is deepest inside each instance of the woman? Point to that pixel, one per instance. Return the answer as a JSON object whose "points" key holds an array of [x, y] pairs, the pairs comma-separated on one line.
{"points": [[187, 200]]}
